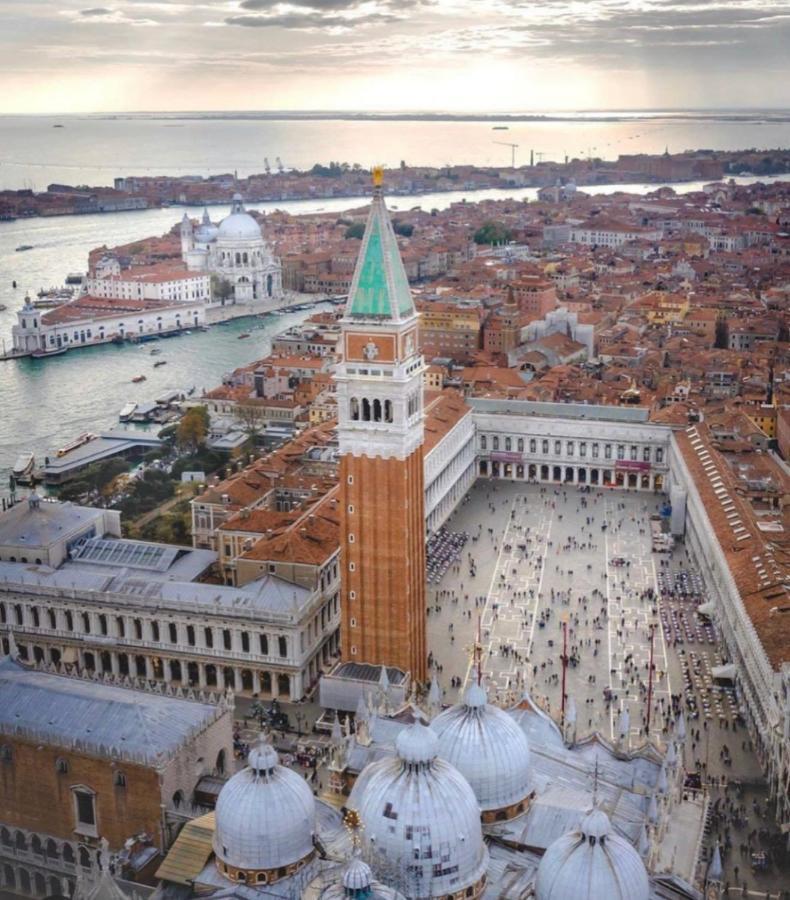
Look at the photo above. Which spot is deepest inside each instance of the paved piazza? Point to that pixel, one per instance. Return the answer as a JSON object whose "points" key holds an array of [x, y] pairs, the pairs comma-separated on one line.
{"points": [[538, 553]]}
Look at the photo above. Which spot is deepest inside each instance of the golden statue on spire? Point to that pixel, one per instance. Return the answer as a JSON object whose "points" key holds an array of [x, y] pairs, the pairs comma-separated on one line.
{"points": [[378, 176]]}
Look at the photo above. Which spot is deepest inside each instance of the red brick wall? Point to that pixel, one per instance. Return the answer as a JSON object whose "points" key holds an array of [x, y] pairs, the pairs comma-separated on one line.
{"points": [[388, 552], [35, 796]]}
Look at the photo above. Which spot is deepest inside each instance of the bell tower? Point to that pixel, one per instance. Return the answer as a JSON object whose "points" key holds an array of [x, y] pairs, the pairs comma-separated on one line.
{"points": [[380, 429]]}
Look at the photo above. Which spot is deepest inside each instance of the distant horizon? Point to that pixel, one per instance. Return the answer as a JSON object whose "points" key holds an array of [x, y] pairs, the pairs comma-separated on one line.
{"points": [[469, 114]]}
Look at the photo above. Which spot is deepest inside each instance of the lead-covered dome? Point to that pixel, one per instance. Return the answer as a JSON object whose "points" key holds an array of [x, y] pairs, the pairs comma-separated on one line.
{"points": [[239, 225], [489, 749], [265, 819], [592, 862], [421, 821]]}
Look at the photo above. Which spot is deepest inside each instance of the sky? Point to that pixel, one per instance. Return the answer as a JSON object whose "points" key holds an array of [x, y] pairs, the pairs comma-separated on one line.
{"points": [[67, 56]]}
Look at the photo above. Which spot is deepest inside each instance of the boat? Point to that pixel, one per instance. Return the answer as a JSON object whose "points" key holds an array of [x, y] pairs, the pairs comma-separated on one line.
{"points": [[244, 334], [156, 351], [23, 467], [55, 351], [2, 307], [160, 362], [501, 128], [127, 411], [75, 278], [53, 297], [77, 442], [22, 247], [138, 378], [191, 391], [58, 126]]}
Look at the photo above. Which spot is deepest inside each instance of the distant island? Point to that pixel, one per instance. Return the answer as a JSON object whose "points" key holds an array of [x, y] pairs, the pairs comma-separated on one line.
{"points": [[349, 180]]}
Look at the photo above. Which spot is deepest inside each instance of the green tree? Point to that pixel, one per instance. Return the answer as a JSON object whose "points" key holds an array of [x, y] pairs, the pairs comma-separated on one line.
{"points": [[357, 230], [193, 428], [221, 288], [403, 228], [252, 418], [492, 232]]}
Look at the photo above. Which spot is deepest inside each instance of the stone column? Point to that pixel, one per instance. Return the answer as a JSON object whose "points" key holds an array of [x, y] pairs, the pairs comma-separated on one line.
{"points": [[149, 668], [201, 676]]}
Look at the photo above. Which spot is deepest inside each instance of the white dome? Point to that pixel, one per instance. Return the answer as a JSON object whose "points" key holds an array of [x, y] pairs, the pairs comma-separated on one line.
{"points": [[239, 225], [265, 815], [205, 234], [592, 862], [487, 747], [412, 806], [358, 875]]}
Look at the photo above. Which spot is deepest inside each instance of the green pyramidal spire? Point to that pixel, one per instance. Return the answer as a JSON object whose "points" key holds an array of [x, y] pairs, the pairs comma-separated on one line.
{"points": [[380, 288]]}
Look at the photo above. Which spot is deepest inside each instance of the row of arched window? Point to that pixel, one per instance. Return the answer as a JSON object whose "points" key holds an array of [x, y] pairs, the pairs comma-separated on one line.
{"points": [[366, 410]]}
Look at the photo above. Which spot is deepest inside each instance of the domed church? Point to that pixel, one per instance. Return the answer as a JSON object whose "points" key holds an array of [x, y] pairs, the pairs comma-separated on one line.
{"points": [[236, 252], [474, 801]]}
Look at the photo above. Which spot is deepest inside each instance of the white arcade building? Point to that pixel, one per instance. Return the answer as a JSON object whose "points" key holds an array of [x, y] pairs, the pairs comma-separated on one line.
{"points": [[235, 251]]}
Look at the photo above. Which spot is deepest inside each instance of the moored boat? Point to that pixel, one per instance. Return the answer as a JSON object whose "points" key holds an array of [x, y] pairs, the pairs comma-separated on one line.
{"points": [[77, 442], [23, 467], [127, 411]]}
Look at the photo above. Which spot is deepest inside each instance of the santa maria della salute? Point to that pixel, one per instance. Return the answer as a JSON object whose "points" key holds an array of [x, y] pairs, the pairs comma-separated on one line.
{"points": [[236, 252]]}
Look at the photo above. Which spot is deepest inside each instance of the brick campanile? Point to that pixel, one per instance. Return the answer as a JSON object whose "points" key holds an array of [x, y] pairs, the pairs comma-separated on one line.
{"points": [[380, 429]]}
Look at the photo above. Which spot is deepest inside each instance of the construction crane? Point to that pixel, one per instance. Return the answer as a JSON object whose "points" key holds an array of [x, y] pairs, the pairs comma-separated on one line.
{"points": [[266, 165], [513, 148], [280, 166]]}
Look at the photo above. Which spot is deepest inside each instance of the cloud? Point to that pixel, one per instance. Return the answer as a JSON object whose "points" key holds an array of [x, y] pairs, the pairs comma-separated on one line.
{"points": [[308, 21], [318, 5]]}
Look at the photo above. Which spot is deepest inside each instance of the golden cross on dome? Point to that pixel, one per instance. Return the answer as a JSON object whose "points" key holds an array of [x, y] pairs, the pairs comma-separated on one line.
{"points": [[475, 652], [378, 176], [353, 822]]}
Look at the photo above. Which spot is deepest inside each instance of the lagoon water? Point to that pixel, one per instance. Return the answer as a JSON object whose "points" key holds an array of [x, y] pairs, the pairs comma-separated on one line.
{"points": [[44, 403], [95, 149]]}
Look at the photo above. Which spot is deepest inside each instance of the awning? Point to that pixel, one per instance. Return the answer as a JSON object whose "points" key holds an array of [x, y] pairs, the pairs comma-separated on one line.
{"points": [[725, 672], [706, 609]]}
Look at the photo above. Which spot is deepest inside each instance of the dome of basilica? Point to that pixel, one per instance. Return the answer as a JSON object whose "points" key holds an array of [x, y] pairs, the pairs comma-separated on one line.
{"points": [[488, 748], [239, 225], [265, 817], [421, 820], [591, 862]]}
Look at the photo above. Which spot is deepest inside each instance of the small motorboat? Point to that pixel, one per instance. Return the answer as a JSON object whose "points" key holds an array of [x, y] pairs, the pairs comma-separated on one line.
{"points": [[160, 362], [23, 247], [138, 378], [156, 351], [23, 467], [244, 334], [127, 411]]}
